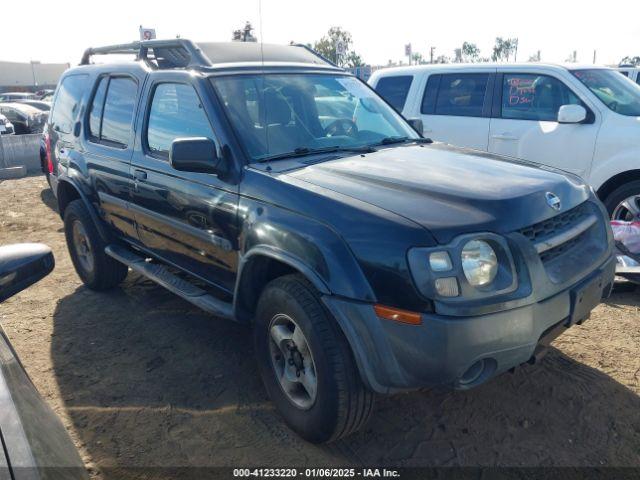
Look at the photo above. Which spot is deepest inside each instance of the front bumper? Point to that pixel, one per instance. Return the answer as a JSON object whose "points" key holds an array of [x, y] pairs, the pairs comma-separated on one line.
{"points": [[461, 352]]}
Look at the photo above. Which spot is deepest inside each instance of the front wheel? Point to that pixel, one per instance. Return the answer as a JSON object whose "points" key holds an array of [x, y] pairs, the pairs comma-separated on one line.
{"points": [[306, 363], [624, 202]]}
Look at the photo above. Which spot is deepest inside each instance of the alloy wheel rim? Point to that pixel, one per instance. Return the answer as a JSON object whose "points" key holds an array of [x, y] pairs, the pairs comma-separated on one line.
{"points": [[292, 361], [84, 252]]}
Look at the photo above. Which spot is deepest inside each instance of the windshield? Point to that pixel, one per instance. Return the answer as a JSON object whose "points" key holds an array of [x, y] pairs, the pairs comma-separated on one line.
{"points": [[616, 91], [276, 114]]}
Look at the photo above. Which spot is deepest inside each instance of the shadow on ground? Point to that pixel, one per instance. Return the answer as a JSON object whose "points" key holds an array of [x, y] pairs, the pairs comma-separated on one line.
{"points": [[49, 199], [150, 381]]}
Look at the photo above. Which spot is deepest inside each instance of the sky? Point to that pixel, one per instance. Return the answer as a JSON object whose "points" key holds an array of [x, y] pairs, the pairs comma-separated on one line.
{"points": [[61, 30]]}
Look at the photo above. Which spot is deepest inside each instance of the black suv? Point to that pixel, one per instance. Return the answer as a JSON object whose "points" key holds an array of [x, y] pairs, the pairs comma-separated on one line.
{"points": [[266, 185]]}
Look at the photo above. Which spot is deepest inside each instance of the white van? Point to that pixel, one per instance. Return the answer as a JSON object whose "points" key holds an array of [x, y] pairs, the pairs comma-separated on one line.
{"points": [[585, 120]]}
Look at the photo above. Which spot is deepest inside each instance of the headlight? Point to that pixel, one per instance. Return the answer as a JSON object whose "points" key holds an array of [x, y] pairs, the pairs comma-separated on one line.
{"points": [[479, 262]]}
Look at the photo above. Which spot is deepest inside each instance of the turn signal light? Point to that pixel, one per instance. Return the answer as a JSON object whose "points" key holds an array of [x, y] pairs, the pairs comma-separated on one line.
{"points": [[397, 315]]}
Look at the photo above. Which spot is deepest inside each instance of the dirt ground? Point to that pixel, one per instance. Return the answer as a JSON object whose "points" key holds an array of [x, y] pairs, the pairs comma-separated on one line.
{"points": [[141, 378]]}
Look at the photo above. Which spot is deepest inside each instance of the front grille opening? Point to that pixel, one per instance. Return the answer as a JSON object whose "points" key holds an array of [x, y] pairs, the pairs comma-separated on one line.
{"points": [[565, 247], [556, 225]]}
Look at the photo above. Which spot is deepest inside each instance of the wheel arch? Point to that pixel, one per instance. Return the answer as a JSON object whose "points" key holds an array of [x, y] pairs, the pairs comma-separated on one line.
{"points": [[261, 265], [68, 191], [616, 181]]}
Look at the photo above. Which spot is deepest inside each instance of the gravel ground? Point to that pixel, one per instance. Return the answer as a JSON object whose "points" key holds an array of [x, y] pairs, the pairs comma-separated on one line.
{"points": [[142, 379]]}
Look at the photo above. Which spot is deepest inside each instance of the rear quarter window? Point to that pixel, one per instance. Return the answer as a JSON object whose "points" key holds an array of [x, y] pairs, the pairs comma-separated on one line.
{"points": [[67, 102], [395, 89]]}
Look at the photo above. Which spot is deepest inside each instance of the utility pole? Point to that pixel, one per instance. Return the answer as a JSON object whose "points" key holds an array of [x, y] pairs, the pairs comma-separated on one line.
{"points": [[594, 56], [432, 49]]}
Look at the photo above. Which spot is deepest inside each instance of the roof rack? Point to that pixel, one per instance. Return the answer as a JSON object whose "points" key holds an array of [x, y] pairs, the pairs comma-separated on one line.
{"points": [[175, 53]]}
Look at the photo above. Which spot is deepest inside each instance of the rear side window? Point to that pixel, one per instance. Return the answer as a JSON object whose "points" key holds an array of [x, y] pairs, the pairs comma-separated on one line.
{"points": [[459, 94], [534, 97], [95, 112], [395, 90], [176, 112], [111, 111], [67, 103]]}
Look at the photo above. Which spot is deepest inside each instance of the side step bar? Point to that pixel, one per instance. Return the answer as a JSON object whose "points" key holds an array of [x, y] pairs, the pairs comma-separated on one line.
{"points": [[162, 276]]}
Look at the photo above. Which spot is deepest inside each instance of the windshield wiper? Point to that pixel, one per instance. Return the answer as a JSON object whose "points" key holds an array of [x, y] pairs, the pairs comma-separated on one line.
{"points": [[304, 151], [395, 140]]}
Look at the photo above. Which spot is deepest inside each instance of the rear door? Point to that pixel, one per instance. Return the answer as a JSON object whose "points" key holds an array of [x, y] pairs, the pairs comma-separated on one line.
{"points": [[187, 219], [108, 146], [456, 107], [525, 125]]}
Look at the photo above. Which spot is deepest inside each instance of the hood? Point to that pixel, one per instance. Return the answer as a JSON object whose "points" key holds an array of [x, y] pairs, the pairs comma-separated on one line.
{"points": [[448, 190]]}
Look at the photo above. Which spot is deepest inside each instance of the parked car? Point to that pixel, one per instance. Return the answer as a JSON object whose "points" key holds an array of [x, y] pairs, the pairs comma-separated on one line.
{"points": [[630, 72], [364, 259], [581, 119], [25, 118], [35, 443], [41, 105], [46, 94], [13, 96], [6, 127]]}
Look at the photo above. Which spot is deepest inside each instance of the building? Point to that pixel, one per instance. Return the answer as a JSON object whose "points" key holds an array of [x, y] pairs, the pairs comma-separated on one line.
{"points": [[32, 76]]}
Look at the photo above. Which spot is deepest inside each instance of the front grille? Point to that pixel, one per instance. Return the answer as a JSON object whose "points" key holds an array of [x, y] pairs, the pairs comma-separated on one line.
{"points": [[567, 242], [556, 225]]}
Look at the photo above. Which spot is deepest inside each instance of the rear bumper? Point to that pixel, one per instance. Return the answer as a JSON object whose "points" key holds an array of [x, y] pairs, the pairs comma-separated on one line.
{"points": [[461, 352]]}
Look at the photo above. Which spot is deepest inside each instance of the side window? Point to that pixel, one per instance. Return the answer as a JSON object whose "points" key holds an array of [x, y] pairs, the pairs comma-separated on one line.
{"points": [[67, 103], [626, 74], [95, 111], [461, 94], [430, 94], [395, 90], [176, 112], [534, 97], [118, 111], [638, 78]]}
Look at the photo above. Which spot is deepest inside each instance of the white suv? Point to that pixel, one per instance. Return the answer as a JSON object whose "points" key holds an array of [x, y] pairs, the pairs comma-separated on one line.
{"points": [[585, 120]]}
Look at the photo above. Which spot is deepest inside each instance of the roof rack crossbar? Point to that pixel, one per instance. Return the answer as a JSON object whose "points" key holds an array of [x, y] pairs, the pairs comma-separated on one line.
{"points": [[196, 58]]}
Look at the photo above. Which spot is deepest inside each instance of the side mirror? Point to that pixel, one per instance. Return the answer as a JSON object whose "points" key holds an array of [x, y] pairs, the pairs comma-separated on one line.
{"points": [[416, 124], [22, 265], [196, 154], [572, 114]]}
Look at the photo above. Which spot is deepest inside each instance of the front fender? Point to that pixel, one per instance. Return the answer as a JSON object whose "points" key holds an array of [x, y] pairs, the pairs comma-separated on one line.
{"points": [[305, 244], [608, 168]]}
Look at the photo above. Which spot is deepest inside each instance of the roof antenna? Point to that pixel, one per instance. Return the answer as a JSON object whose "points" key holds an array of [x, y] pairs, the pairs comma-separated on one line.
{"points": [[264, 103]]}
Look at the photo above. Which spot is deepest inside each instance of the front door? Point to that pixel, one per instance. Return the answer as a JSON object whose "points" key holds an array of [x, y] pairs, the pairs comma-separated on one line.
{"points": [[526, 123], [187, 219]]}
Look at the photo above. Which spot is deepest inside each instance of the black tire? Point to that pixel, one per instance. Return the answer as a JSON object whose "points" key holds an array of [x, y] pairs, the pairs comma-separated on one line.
{"points": [[620, 194], [342, 404], [106, 272]]}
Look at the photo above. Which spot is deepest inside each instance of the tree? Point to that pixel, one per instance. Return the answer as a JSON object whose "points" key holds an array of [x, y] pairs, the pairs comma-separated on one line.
{"points": [[573, 57], [441, 59], [535, 57], [503, 49], [326, 47], [470, 52], [418, 59], [635, 61], [244, 34]]}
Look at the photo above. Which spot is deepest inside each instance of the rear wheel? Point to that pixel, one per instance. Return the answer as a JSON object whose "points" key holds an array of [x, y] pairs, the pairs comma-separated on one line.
{"points": [[95, 268], [306, 363], [624, 202]]}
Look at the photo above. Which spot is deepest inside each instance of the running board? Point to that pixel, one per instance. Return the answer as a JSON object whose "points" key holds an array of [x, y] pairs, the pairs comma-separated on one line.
{"points": [[162, 276]]}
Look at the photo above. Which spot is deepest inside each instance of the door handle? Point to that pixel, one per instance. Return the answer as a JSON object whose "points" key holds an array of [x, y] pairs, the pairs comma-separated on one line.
{"points": [[140, 175], [504, 136]]}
